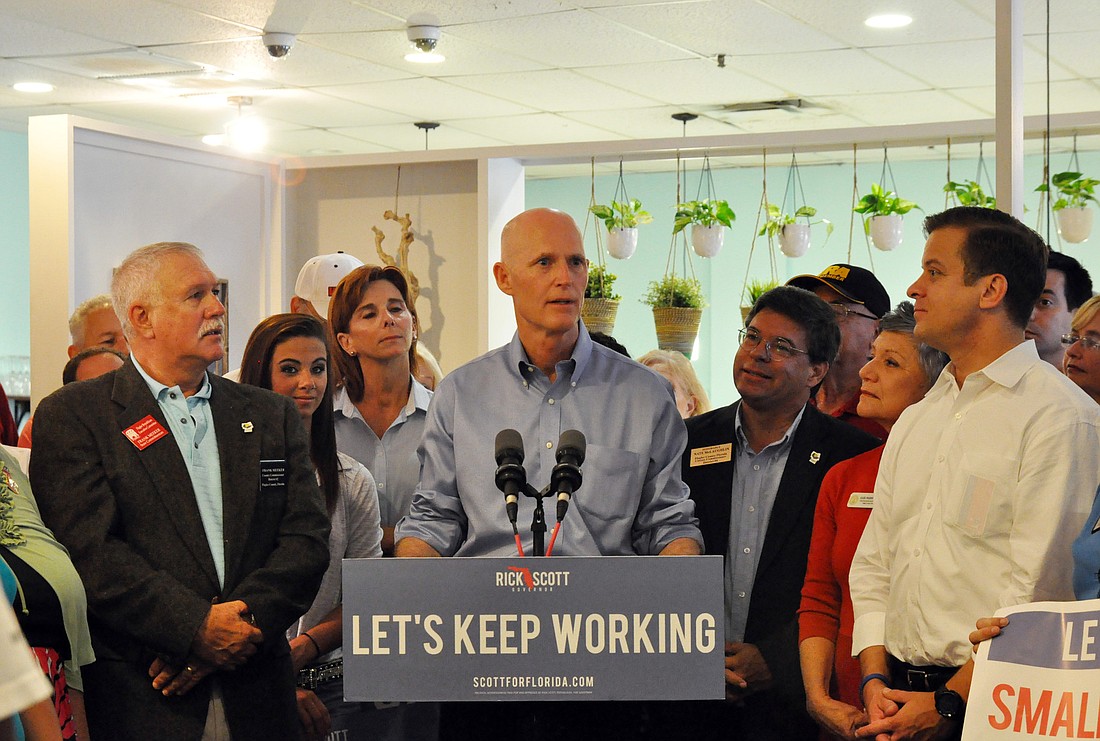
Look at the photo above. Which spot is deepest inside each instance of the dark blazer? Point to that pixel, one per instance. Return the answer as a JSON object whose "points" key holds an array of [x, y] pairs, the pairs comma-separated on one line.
{"points": [[131, 523], [819, 442]]}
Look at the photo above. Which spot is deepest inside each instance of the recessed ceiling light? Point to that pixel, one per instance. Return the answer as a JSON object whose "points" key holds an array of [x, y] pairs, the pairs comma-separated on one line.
{"points": [[425, 57], [888, 20], [33, 87]]}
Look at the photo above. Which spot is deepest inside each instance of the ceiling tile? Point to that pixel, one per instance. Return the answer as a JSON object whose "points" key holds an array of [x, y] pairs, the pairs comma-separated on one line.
{"points": [[536, 128], [134, 22], [409, 138], [650, 123], [688, 83], [555, 91], [817, 74], [886, 109], [426, 99], [573, 38], [715, 27], [309, 108], [937, 64], [933, 20]]}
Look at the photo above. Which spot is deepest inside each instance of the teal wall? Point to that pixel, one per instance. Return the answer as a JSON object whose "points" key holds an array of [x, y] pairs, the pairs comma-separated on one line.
{"points": [[827, 187], [15, 333]]}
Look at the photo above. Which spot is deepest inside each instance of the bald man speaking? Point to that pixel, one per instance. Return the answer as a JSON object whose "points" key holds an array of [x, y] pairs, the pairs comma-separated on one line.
{"points": [[549, 379]]}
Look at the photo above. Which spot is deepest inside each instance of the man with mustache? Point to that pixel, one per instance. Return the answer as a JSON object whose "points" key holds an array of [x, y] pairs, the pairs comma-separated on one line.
{"points": [[754, 469], [192, 514]]}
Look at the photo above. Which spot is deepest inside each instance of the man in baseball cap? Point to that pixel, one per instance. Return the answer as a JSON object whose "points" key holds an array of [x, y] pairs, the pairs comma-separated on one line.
{"points": [[858, 299], [317, 282], [314, 288]]}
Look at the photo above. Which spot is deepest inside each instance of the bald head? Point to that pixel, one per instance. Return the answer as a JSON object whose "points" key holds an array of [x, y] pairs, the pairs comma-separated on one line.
{"points": [[535, 228]]}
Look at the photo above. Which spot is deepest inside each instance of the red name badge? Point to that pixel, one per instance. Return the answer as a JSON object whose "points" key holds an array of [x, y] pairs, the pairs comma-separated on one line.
{"points": [[145, 432]]}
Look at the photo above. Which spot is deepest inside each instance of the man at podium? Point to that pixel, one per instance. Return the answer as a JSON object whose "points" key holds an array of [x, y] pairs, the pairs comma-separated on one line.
{"points": [[551, 378]]}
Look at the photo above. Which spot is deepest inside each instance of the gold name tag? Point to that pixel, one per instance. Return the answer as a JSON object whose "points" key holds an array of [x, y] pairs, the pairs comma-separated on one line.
{"points": [[861, 500], [713, 454]]}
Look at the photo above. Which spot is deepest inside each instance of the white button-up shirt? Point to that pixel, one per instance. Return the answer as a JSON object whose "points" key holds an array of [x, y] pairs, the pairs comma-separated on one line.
{"points": [[979, 494]]}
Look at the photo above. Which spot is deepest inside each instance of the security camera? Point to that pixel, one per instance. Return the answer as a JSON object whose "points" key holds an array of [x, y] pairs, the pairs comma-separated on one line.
{"points": [[278, 44], [423, 38]]}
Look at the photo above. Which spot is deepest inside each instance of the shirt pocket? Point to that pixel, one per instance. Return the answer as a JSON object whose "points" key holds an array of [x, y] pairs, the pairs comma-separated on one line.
{"points": [[980, 505], [612, 485]]}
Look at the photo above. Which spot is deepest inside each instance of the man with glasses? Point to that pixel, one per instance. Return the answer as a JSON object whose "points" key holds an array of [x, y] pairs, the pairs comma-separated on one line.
{"points": [[983, 484], [754, 469], [859, 300]]}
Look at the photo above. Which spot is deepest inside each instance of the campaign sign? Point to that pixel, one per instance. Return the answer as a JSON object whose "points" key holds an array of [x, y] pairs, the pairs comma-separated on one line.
{"points": [[581, 628], [1041, 677]]}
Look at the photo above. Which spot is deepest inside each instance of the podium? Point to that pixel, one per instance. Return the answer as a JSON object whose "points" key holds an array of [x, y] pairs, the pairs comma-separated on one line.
{"points": [[562, 628]]}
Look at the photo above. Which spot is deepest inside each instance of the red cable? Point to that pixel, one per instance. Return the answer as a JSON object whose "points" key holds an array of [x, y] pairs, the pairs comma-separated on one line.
{"points": [[553, 537], [519, 546]]}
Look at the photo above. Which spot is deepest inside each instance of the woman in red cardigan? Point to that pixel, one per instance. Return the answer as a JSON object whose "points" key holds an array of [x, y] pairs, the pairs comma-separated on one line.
{"points": [[899, 373]]}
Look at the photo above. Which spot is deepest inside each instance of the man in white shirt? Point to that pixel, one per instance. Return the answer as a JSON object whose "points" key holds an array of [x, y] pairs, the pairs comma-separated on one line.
{"points": [[980, 482]]}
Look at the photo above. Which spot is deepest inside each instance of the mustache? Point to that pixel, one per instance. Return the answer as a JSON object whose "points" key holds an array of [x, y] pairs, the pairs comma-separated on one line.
{"points": [[212, 326]]}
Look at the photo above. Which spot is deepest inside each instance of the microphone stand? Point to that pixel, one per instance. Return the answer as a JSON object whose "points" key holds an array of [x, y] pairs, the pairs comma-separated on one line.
{"points": [[538, 520]]}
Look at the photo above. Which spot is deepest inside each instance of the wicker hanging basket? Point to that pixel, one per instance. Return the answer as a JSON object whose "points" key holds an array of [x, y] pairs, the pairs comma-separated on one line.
{"points": [[598, 314], [677, 327]]}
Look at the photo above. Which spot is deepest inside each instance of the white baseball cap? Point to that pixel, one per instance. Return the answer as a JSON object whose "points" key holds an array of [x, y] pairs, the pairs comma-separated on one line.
{"points": [[318, 278]]}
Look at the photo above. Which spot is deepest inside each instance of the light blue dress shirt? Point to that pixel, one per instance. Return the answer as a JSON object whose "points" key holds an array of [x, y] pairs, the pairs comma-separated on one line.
{"points": [[632, 500], [392, 460], [192, 426], [756, 478]]}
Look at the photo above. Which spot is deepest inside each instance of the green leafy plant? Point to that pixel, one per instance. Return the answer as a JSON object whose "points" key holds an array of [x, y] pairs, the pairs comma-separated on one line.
{"points": [[776, 220], [757, 288], [600, 284], [1074, 190], [881, 202], [970, 193], [673, 290], [706, 212], [621, 214]]}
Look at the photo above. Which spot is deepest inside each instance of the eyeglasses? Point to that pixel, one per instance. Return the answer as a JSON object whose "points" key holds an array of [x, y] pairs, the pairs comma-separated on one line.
{"points": [[1086, 342], [843, 312], [779, 348]]}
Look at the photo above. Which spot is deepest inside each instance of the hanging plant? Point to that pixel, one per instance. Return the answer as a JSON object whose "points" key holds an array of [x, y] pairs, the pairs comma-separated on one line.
{"points": [[621, 218], [601, 283], [882, 212], [677, 300], [969, 193], [707, 216], [621, 215], [676, 292], [753, 290], [1071, 209], [793, 236], [601, 303]]}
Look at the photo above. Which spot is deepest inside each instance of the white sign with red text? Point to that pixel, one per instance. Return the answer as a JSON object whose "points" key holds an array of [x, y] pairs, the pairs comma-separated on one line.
{"points": [[1041, 677]]}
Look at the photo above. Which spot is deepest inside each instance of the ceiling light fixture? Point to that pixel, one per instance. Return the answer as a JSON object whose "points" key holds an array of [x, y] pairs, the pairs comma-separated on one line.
{"points": [[422, 30], [33, 87], [888, 20], [245, 133]]}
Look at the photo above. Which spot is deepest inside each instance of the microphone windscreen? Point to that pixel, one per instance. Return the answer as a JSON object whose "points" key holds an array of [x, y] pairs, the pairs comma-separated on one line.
{"points": [[572, 442], [509, 445]]}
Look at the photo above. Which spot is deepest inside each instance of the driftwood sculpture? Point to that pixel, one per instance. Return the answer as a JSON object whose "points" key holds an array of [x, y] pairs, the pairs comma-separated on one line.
{"points": [[402, 260]]}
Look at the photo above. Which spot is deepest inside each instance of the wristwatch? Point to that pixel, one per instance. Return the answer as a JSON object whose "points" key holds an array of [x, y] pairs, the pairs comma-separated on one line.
{"points": [[949, 703]]}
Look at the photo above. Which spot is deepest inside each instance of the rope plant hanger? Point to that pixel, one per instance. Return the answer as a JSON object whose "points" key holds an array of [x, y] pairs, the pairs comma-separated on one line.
{"points": [[677, 300], [752, 290], [601, 303], [970, 192], [1070, 204], [852, 212], [883, 209]]}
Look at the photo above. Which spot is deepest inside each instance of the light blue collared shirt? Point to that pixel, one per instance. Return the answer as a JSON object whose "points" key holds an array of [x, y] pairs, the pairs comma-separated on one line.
{"points": [[632, 499], [192, 425], [756, 478], [392, 460]]}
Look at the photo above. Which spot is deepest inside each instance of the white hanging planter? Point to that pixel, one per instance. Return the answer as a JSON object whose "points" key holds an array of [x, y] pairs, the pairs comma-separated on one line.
{"points": [[794, 239], [1074, 224], [707, 240], [886, 231], [622, 242]]}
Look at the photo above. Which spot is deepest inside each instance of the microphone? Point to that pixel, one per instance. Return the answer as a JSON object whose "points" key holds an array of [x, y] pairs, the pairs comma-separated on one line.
{"points": [[566, 476], [511, 477]]}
